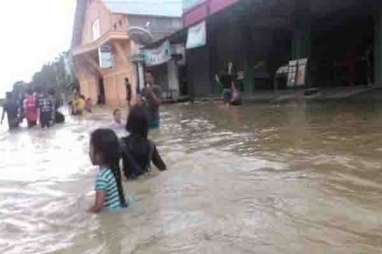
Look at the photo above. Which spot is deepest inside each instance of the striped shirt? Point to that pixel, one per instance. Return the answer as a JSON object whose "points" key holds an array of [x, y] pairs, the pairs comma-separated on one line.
{"points": [[107, 183]]}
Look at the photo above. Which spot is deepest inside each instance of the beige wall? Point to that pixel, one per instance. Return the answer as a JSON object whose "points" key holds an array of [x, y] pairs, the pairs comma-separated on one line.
{"points": [[114, 79], [114, 84], [95, 10]]}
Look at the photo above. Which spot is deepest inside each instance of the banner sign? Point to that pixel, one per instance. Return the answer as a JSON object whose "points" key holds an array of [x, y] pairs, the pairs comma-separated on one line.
{"points": [[105, 55], [159, 55], [301, 72], [197, 36], [297, 72]]}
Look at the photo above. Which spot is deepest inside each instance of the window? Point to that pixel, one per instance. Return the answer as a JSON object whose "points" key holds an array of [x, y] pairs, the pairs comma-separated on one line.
{"points": [[96, 29]]}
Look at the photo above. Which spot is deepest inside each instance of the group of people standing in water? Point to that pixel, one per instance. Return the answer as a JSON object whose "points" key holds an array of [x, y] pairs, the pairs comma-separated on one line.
{"points": [[135, 152], [229, 82], [36, 106]]}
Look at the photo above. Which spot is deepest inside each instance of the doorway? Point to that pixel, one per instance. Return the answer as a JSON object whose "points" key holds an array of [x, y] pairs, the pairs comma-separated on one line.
{"points": [[101, 92]]}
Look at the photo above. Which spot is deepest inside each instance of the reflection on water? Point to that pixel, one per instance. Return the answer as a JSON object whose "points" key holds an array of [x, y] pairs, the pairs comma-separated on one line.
{"points": [[294, 178]]}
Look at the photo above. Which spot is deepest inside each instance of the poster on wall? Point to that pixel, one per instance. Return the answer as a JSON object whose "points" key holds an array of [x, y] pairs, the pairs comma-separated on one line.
{"points": [[197, 36], [301, 72], [292, 71], [159, 55], [105, 55]]}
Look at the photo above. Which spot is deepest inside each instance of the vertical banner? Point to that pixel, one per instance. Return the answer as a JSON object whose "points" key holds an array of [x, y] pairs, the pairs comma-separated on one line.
{"points": [[292, 70], [297, 72], [197, 36], [301, 72], [105, 55]]}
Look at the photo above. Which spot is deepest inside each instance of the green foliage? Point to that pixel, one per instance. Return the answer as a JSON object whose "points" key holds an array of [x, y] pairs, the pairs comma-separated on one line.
{"points": [[52, 75], [55, 75]]}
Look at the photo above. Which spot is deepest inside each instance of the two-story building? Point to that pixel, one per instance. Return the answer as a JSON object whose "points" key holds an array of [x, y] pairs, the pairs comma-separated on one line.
{"points": [[102, 49]]}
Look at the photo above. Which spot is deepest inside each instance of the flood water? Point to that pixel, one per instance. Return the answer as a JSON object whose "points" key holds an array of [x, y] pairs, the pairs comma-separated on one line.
{"points": [[290, 178]]}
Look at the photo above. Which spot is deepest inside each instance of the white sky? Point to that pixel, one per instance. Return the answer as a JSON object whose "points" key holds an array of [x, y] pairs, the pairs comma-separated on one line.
{"points": [[33, 32]]}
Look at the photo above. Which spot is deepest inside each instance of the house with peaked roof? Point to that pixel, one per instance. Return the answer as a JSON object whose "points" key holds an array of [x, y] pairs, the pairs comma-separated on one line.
{"points": [[100, 34]]}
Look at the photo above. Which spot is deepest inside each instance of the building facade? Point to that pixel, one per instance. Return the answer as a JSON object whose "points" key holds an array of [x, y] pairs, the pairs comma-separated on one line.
{"points": [[101, 24], [340, 39]]}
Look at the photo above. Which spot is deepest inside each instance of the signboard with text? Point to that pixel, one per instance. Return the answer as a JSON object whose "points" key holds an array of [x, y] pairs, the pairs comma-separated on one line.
{"points": [[297, 72], [159, 55], [105, 55], [197, 36]]}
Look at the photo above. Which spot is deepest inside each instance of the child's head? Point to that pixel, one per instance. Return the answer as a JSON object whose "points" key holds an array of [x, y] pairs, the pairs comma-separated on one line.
{"points": [[104, 148], [117, 115], [138, 122], [105, 151]]}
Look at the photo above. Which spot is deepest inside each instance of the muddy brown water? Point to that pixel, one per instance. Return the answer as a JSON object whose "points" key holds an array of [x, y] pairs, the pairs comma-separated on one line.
{"points": [[291, 178]]}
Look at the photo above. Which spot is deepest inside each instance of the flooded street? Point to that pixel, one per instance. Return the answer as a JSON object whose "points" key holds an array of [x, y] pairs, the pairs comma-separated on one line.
{"points": [[290, 178]]}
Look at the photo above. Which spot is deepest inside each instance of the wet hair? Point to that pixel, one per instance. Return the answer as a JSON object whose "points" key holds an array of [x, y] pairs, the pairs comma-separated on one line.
{"points": [[138, 122], [105, 143]]}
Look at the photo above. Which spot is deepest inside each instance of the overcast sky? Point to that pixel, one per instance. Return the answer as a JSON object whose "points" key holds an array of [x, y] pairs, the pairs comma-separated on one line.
{"points": [[34, 32]]}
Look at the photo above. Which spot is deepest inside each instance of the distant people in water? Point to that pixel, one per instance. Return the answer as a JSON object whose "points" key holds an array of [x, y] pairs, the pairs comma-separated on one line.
{"points": [[78, 105], [117, 119], [31, 108], [152, 94], [128, 91], [46, 110], [89, 105], [105, 153], [226, 82], [35, 105], [236, 97], [137, 150], [10, 108]]}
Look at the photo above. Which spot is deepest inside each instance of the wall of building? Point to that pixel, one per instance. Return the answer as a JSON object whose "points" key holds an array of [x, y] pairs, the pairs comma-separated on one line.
{"points": [[159, 26], [199, 72], [96, 9]]}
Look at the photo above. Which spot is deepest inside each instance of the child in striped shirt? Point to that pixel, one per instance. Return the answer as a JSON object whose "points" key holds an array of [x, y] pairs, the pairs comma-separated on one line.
{"points": [[105, 153]]}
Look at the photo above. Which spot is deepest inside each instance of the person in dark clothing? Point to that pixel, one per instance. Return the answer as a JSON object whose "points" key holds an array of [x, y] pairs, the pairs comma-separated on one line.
{"points": [[128, 91], [137, 150], [11, 109], [152, 94], [226, 82], [46, 107]]}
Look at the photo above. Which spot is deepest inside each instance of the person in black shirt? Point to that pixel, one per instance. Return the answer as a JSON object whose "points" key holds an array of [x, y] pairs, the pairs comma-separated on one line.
{"points": [[11, 109], [137, 150], [128, 91], [46, 107]]}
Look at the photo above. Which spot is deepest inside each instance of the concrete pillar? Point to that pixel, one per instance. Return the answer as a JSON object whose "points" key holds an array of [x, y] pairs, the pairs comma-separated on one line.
{"points": [[378, 47], [141, 77], [301, 37], [173, 81]]}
